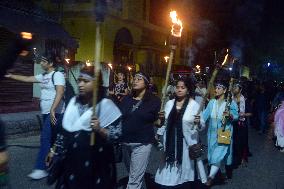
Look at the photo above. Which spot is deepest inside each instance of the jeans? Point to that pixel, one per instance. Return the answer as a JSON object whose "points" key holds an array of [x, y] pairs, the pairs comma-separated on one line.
{"points": [[47, 138], [136, 158]]}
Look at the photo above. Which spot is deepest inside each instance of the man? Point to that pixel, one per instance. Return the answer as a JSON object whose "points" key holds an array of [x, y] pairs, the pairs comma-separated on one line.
{"points": [[52, 107]]}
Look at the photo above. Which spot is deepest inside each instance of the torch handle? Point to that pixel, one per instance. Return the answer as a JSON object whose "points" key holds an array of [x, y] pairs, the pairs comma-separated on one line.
{"points": [[209, 88], [164, 93], [97, 74]]}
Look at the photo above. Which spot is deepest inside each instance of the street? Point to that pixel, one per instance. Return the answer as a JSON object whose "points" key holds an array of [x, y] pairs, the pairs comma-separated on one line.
{"points": [[265, 169]]}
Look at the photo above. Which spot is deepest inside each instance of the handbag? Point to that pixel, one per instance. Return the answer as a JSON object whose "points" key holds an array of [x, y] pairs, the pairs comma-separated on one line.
{"points": [[56, 166], [224, 136], [196, 150], [55, 169]]}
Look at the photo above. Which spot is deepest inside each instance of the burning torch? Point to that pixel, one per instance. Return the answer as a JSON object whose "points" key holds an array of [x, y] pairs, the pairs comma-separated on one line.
{"points": [[175, 35], [211, 82]]}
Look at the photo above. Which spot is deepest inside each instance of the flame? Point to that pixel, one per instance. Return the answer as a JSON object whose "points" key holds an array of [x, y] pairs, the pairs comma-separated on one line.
{"points": [[197, 69], [67, 60], [177, 24], [26, 35], [226, 57], [110, 65], [88, 63], [166, 58]]}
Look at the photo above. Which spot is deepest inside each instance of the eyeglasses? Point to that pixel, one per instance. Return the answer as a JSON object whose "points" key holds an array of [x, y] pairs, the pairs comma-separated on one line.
{"points": [[138, 78]]}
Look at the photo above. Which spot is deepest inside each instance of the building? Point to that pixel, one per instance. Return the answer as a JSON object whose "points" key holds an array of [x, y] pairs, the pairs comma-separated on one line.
{"points": [[26, 16], [134, 33]]}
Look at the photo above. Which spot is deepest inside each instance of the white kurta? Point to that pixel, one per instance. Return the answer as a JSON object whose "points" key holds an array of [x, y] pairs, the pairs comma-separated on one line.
{"points": [[172, 175]]}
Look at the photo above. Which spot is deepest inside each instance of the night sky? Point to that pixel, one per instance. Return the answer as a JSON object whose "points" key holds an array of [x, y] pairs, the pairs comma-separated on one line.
{"points": [[252, 29]]}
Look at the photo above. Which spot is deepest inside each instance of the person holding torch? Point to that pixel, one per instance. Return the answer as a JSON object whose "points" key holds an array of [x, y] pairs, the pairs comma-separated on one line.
{"points": [[177, 168], [87, 166], [219, 113]]}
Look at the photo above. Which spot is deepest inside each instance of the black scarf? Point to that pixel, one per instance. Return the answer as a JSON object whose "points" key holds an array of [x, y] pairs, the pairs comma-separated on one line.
{"points": [[174, 139]]}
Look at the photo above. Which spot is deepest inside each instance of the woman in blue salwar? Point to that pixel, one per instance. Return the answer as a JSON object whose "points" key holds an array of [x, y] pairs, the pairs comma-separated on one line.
{"points": [[219, 154]]}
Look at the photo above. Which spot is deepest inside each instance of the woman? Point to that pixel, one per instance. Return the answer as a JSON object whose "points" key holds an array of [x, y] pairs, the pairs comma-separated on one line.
{"points": [[177, 170], [240, 136], [214, 113], [120, 88], [279, 126], [88, 166], [139, 112]]}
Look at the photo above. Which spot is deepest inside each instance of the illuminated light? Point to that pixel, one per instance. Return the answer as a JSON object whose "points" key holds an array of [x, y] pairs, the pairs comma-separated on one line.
{"points": [[24, 53], [129, 68], [67, 60], [226, 57], [268, 64], [166, 58], [177, 24], [26, 35], [110, 65], [230, 69], [197, 69], [88, 63], [165, 42]]}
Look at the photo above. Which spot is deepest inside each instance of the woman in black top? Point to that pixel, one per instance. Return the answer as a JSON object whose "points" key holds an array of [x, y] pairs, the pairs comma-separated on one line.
{"points": [[139, 112]]}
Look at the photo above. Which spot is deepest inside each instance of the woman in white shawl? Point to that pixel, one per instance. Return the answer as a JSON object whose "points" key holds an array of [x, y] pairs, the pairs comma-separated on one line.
{"points": [[279, 127], [177, 169], [86, 166]]}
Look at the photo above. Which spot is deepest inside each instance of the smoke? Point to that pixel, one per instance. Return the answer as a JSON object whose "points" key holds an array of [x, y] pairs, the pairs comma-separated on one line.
{"points": [[205, 32], [232, 23], [236, 48], [245, 27]]}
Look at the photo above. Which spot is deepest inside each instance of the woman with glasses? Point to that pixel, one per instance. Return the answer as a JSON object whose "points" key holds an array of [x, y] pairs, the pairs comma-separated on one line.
{"points": [[139, 112]]}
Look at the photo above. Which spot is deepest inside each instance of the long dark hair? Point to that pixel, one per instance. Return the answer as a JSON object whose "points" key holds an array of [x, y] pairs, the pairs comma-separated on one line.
{"points": [[147, 94], [189, 84]]}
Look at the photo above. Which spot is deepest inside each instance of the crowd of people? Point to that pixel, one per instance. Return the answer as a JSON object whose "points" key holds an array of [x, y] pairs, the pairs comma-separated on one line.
{"points": [[124, 121]]}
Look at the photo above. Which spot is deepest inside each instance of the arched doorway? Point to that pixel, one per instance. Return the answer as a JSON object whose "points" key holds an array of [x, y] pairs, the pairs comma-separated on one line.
{"points": [[122, 53]]}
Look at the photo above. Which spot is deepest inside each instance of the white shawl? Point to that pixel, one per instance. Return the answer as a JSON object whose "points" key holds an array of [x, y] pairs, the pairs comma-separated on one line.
{"points": [[106, 111]]}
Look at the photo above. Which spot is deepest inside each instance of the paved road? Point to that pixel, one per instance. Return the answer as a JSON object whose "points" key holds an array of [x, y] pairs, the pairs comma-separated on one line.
{"points": [[265, 170]]}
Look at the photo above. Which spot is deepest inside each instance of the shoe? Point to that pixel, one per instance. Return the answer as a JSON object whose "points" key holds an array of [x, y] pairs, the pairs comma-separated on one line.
{"points": [[38, 174], [209, 182], [244, 163]]}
